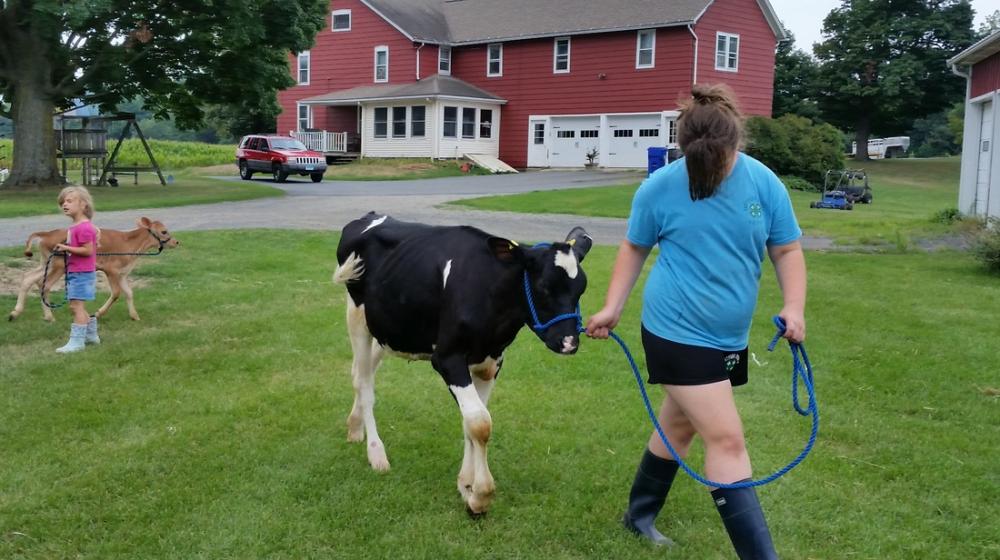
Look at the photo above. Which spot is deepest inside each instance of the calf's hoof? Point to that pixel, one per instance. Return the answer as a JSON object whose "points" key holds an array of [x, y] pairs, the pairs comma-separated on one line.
{"points": [[11, 317], [377, 458], [355, 430], [474, 515]]}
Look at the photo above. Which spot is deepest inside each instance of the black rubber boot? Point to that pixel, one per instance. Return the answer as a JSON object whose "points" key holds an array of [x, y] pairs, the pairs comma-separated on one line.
{"points": [[745, 523], [649, 491]]}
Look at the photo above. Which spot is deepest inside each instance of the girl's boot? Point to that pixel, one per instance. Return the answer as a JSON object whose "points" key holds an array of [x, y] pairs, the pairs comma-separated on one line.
{"points": [[92, 337], [649, 491], [77, 338], [745, 523]]}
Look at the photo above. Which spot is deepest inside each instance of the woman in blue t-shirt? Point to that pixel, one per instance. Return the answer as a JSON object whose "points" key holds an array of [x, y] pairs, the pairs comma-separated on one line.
{"points": [[713, 214]]}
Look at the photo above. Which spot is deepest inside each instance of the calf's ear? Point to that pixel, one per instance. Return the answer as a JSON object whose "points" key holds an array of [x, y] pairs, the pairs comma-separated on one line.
{"points": [[505, 250], [580, 241], [144, 222]]}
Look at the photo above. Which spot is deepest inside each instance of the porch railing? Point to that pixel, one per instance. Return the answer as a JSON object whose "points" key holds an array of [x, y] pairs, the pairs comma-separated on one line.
{"points": [[322, 141]]}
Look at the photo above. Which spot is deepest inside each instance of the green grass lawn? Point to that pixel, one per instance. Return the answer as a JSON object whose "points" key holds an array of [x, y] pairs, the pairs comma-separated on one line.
{"points": [[215, 427], [187, 188], [398, 169], [907, 194]]}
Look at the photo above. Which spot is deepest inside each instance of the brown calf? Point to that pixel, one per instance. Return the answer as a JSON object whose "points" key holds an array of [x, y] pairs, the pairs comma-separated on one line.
{"points": [[149, 235]]}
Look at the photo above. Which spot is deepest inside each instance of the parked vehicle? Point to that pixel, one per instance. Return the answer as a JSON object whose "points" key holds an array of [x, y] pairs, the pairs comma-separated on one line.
{"points": [[280, 156], [4, 172]]}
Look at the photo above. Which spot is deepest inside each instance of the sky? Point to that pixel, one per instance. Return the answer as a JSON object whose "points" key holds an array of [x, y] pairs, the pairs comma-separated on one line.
{"points": [[807, 22]]}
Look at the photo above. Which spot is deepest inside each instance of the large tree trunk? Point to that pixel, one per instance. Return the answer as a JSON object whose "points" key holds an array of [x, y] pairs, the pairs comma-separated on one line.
{"points": [[862, 131], [34, 141]]}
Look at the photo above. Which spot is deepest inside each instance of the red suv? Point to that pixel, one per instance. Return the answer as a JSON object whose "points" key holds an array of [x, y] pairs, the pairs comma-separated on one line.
{"points": [[280, 156]]}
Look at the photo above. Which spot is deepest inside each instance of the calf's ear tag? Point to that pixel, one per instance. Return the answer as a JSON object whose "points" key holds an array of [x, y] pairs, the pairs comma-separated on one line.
{"points": [[513, 244], [571, 242]]}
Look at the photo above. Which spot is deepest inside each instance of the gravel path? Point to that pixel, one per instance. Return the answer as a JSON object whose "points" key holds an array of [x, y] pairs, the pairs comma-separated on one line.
{"points": [[332, 204]]}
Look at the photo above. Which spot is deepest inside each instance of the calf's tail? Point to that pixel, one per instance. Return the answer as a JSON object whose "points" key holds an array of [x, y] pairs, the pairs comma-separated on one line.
{"points": [[27, 244], [350, 270]]}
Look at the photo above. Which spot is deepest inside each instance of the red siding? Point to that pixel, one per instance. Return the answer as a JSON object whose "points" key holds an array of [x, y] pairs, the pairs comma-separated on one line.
{"points": [[346, 59], [531, 88], [754, 82], [986, 76]]}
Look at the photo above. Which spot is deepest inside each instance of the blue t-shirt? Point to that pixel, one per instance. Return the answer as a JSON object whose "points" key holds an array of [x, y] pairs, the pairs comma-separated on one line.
{"points": [[703, 287]]}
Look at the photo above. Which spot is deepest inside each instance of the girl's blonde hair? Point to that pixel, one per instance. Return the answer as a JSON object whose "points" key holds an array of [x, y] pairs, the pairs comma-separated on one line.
{"points": [[83, 194]]}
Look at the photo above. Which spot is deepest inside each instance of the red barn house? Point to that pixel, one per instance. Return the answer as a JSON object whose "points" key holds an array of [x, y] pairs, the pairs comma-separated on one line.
{"points": [[979, 187], [536, 84]]}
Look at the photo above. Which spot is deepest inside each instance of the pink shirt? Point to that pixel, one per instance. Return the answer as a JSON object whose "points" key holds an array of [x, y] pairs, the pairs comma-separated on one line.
{"points": [[79, 235]]}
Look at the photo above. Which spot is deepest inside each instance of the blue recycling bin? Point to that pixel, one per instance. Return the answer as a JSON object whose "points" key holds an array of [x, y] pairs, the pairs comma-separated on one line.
{"points": [[656, 158]]}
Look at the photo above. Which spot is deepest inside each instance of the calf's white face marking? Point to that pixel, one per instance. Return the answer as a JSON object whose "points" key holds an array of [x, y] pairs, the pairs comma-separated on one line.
{"points": [[375, 222], [567, 262]]}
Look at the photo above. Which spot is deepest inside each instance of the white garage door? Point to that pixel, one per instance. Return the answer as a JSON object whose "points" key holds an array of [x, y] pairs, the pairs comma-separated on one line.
{"points": [[571, 138], [985, 156], [630, 136]]}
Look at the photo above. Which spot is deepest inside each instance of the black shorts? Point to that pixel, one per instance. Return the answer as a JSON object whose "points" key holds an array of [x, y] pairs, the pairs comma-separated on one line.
{"points": [[673, 363]]}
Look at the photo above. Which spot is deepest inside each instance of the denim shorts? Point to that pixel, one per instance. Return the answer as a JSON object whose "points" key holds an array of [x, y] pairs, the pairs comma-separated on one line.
{"points": [[81, 285]]}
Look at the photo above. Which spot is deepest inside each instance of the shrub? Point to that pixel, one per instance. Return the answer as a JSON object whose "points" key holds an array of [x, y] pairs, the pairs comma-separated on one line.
{"points": [[793, 145], [986, 245], [947, 216], [799, 184]]}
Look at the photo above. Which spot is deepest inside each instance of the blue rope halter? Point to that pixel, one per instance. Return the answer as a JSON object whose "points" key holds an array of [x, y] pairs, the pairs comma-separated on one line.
{"points": [[801, 370]]}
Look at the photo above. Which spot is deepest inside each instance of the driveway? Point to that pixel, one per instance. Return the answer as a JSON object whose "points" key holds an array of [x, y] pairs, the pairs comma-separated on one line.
{"points": [[330, 205]]}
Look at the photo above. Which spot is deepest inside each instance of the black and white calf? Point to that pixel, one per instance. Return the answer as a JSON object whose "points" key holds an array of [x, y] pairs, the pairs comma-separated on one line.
{"points": [[454, 296]]}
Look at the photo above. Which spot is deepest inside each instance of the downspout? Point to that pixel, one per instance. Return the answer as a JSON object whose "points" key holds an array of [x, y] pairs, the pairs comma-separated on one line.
{"points": [[418, 60], [694, 76]]}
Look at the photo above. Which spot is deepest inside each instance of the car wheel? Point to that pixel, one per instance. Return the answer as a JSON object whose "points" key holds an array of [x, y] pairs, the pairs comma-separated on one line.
{"points": [[849, 206], [279, 175], [316, 177], [245, 172]]}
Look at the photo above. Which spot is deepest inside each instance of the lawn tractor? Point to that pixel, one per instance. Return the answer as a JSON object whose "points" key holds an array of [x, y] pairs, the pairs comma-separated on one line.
{"points": [[843, 188]]}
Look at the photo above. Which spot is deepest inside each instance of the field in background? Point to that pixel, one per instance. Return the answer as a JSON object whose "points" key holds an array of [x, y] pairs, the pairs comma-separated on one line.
{"points": [[215, 427], [907, 195]]}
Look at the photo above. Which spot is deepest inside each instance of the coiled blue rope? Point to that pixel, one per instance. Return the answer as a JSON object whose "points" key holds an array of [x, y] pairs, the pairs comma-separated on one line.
{"points": [[801, 371]]}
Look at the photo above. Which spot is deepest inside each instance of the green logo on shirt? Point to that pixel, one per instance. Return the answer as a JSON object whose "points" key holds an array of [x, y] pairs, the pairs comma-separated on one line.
{"points": [[755, 209]]}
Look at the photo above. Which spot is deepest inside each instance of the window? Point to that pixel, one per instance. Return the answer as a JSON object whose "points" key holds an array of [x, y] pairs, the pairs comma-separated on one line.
{"points": [[450, 129], [566, 134], [626, 133], [304, 117], [649, 132], [381, 64], [341, 20], [560, 56], [399, 122], [381, 122], [539, 133], [671, 132], [444, 60], [304, 68], [494, 60], [645, 44], [417, 115], [468, 122], [727, 48], [588, 134], [485, 123]]}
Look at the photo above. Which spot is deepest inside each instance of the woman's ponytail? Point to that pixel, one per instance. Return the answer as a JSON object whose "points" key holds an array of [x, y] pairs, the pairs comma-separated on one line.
{"points": [[709, 131]]}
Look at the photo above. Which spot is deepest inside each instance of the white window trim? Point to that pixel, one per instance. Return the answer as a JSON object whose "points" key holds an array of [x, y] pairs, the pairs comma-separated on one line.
{"points": [[441, 49], [638, 45], [488, 48], [728, 36], [298, 116], [555, 55], [378, 49], [298, 68], [350, 20]]}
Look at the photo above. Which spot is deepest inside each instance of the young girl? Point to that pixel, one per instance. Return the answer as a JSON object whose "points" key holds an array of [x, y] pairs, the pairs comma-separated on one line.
{"points": [[81, 266], [712, 213]]}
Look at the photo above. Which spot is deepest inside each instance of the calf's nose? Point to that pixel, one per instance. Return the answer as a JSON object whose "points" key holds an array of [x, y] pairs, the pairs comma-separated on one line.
{"points": [[568, 344]]}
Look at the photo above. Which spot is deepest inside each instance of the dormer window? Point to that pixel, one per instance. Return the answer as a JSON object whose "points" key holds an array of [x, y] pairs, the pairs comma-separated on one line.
{"points": [[340, 20], [444, 60], [494, 60], [382, 64]]}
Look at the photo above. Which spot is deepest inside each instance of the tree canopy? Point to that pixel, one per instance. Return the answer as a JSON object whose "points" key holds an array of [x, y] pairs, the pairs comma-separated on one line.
{"points": [[795, 73], [882, 64], [178, 55]]}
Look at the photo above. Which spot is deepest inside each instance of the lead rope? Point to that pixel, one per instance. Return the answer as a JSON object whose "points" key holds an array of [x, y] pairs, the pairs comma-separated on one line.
{"points": [[65, 256], [801, 370]]}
